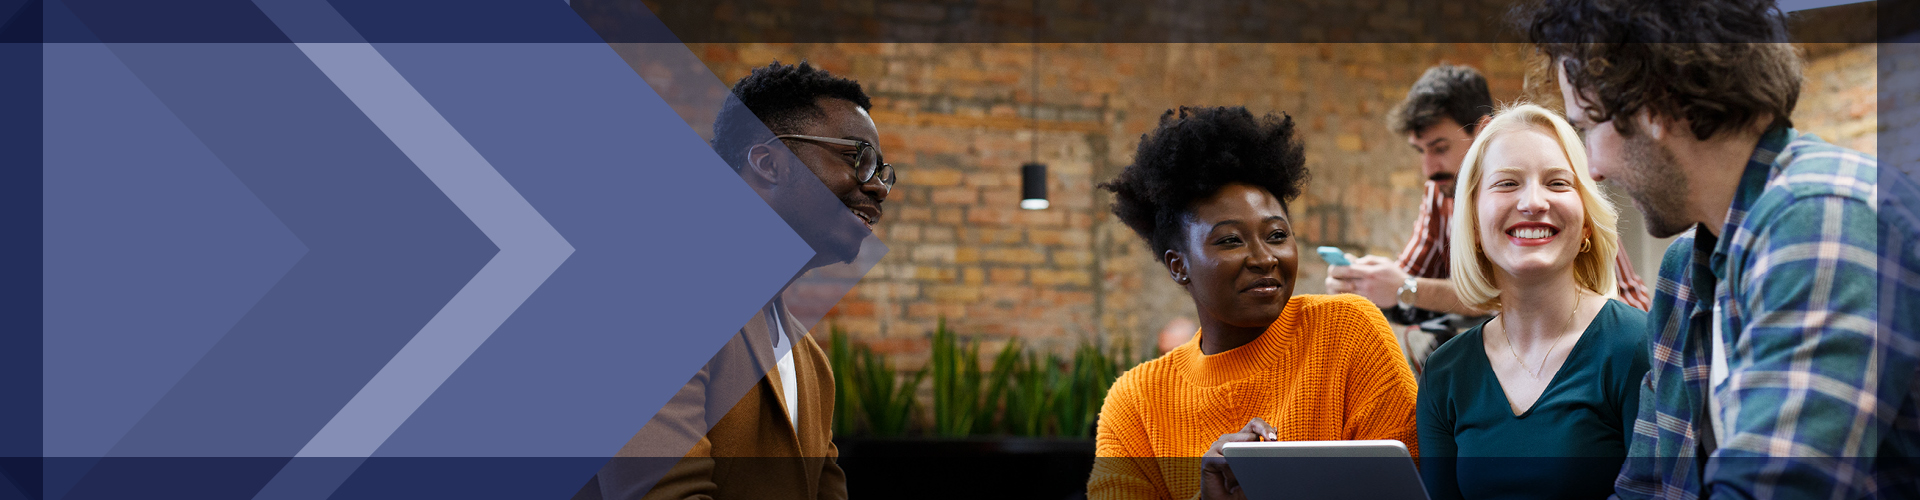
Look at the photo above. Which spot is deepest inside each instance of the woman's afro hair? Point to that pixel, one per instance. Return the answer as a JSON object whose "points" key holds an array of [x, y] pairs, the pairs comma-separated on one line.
{"points": [[1191, 155]]}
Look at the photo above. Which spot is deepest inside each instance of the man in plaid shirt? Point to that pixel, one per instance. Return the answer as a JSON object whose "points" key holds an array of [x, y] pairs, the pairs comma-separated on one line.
{"points": [[1781, 368]]}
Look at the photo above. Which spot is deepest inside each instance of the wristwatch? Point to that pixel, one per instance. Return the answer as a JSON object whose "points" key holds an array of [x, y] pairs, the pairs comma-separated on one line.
{"points": [[1408, 290]]}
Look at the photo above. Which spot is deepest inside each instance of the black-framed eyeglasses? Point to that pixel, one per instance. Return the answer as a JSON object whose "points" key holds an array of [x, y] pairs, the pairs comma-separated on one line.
{"points": [[866, 160]]}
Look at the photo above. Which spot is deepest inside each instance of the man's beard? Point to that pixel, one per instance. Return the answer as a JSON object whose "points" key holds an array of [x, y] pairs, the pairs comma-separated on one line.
{"points": [[1657, 184]]}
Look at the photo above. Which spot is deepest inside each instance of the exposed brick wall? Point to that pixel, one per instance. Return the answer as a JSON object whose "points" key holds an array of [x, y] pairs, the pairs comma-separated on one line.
{"points": [[1838, 98], [959, 119]]}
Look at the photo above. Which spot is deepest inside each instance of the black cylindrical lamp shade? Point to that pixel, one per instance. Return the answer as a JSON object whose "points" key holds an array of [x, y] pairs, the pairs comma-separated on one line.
{"points": [[1033, 186]]}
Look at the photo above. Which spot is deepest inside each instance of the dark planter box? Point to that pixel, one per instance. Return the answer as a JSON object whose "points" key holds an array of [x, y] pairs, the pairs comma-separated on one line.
{"points": [[975, 467]]}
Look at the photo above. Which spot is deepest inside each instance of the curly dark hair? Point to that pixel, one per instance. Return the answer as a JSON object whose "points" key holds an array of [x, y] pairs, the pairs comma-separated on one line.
{"points": [[1457, 92], [1191, 155], [1720, 64], [777, 99]]}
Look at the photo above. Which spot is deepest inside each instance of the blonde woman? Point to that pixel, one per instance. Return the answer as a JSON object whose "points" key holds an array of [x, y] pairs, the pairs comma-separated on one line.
{"points": [[1538, 402]]}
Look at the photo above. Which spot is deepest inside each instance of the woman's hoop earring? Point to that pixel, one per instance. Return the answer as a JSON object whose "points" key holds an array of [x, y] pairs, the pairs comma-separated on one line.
{"points": [[1586, 244]]}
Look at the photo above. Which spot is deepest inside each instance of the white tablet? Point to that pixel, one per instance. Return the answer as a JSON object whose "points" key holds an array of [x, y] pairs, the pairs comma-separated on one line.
{"points": [[1325, 470]]}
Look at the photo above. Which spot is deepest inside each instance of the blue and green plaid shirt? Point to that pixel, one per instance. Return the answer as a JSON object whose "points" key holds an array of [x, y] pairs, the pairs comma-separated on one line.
{"points": [[1820, 399]]}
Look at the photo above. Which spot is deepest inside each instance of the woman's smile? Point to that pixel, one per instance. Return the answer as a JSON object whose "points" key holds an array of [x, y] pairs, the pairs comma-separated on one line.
{"points": [[1531, 234], [1263, 287]]}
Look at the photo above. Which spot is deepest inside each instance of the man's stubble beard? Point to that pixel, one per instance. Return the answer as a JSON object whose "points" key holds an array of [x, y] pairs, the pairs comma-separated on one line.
{"points": [[1657, 184]]}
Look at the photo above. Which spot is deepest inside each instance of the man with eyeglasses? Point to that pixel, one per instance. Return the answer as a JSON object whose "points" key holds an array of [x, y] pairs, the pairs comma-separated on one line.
{"points": [[757, 421]]}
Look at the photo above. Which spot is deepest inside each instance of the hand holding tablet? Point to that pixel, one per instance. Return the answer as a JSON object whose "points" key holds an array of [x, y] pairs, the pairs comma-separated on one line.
{"points": [[1216, 478]]}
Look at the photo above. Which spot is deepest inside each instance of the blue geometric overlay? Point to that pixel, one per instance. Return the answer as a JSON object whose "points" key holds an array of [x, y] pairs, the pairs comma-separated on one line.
{"points": [[155, 250], [424, 269]]}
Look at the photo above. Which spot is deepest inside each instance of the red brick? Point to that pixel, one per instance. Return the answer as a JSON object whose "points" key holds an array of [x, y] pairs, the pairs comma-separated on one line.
{"points": [[1007, 275], [1078, 239], [955, 196], [966, 254], [1031, 218], [1079, 220], [897, 232], [857, 327], [1072, 297], [1044, 277], [929, 273], [1072, 258], [991, 236], [923, 310], [897, 345], [1074, 203], [939, 254], [1008, 196], [954, 293], [1014, 294], [853, 308], [884, 290], [950, 215], [989, 215], [907, 213], [993, 178], [1013, 255], [972, 276], [933, 177]]}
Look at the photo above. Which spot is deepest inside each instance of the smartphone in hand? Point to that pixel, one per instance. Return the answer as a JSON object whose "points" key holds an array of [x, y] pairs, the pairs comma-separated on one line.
{"points": [[1334, 256]]}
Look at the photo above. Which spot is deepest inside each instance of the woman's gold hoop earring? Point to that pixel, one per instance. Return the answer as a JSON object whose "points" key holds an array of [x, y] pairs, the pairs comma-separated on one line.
{"points": [[1586, 244]]}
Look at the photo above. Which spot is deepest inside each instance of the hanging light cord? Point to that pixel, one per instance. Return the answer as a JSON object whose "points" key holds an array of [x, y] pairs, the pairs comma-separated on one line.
{"points": [[1034, 94]]}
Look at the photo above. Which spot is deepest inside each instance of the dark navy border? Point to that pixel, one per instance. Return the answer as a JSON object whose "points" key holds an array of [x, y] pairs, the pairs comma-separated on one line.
{"points": [[1139, 21], [906, 21], [20, 246]]}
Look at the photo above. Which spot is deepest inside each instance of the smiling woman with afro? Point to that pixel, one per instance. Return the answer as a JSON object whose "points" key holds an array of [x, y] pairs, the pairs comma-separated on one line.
{"points": [[1209, 191]]}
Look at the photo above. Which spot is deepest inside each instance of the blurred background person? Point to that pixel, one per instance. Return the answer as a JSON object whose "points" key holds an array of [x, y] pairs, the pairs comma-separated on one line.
{"points": [[1557, 373], [1439, 118], [1208, 191]]}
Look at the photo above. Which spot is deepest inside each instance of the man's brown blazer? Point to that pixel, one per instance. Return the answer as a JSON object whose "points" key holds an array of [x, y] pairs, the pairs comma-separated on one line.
{"points": [[752, 450]]}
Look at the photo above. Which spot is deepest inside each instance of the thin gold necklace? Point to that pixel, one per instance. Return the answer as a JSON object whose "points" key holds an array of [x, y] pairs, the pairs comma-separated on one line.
{"points": [[1533, 372]]}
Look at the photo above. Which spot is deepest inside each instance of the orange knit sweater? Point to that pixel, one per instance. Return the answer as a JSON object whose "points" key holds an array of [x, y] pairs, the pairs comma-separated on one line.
{"points": [[1327, 369]]}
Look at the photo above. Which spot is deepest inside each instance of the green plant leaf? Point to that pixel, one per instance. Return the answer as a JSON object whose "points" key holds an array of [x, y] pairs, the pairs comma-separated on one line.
{"points": [[999, 380], [1024, 393], [846, 402], [886, 403]]}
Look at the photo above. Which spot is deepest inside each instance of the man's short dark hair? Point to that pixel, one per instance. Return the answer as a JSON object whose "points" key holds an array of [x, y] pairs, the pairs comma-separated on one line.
{"points": [[1193, 154], [1445, 91], [1720, 64], [777, 98]]}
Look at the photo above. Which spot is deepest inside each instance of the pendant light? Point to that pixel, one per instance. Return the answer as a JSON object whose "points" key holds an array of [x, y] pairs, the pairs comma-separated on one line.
{"points": [[1033, 175]]}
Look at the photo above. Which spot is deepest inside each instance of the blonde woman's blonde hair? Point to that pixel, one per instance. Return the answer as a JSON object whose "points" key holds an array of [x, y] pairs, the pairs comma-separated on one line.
{"points": [[1472, 273]]}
